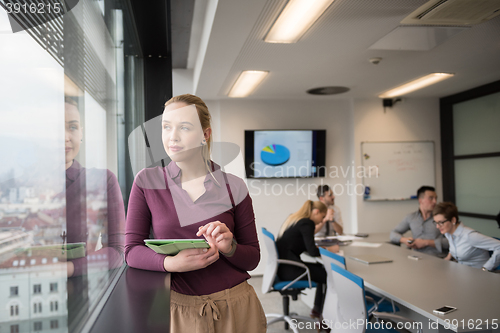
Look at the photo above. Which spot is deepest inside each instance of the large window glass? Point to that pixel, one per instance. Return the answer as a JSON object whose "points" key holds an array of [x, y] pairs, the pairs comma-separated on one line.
{"points": [[62, 135]]}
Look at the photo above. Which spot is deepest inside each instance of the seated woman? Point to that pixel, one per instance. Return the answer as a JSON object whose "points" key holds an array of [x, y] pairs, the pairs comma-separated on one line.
{"points": [[296, 236], [467, 246]]}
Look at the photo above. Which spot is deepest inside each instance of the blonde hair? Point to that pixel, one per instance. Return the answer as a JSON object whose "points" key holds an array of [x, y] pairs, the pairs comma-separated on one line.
{"points": [[304, 212], [205, 121]]}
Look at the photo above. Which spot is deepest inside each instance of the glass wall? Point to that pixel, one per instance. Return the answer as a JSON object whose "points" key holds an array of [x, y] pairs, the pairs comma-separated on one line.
{"points": [[476, 146], [65, 101]]}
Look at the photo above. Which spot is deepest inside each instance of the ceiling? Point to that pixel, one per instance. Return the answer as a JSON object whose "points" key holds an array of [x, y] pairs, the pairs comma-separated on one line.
{"points": [[334, 52]]}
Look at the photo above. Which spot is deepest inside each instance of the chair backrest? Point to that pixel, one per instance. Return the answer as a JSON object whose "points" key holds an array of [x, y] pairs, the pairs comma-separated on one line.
{"points": [[272, 262], [351, 301], [330, 309]]}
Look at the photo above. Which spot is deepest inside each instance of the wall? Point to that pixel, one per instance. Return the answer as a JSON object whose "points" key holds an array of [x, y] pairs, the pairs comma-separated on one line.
{"points": [[348, 122]]}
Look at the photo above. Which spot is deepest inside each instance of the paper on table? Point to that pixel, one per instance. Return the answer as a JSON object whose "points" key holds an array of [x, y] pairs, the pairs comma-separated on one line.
{"points": [[365, 244], [341, 238]]}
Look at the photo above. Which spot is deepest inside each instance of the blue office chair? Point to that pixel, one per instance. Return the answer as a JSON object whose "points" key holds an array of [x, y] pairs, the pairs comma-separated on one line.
{"points": [[287, 289], [351, 307], [375, 302]]}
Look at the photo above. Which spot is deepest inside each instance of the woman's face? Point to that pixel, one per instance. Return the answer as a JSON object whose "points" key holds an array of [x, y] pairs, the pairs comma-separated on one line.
{"points": [[317, 216], [73, 132], [182, 134], [444, 225]]}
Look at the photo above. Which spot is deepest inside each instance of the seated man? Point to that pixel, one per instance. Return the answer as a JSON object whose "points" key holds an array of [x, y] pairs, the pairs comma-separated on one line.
{"points": [[332, 223], [425, 236]]}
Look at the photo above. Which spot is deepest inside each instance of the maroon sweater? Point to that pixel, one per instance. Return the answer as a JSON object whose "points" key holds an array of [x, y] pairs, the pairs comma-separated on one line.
{"points": [[158, 201]]}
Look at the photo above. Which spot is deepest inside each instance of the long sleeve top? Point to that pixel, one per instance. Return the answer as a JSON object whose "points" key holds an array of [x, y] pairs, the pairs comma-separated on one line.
{"points": [[423, 230], [469, 247], [297, 239], [158, 203]]}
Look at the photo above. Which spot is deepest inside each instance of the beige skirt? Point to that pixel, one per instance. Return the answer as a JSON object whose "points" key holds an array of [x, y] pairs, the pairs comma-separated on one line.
{"points": [[235, 310]]}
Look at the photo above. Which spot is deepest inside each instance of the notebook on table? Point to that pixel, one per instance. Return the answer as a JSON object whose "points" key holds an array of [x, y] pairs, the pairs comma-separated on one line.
{"points": [[370, 259]]}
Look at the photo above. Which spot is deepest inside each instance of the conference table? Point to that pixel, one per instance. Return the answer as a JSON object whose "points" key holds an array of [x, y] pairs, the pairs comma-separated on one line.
{"points": [[430, 283]]}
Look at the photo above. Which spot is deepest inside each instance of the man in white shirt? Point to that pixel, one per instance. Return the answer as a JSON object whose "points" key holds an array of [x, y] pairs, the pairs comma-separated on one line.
{"points": [[332, 223]]}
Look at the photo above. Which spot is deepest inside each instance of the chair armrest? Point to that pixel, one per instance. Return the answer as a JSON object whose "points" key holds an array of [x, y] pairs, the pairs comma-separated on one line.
{"points": [[299, 264], [291, 262], [396, 318]]}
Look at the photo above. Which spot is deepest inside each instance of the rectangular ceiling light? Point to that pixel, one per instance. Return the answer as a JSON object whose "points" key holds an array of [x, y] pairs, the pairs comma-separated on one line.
{"points": [[295, 19], [416, 84], [246, 83]]}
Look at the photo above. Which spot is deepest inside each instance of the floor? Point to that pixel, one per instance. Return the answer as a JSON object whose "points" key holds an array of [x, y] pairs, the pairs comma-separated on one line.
{"points": [[272, 303]]}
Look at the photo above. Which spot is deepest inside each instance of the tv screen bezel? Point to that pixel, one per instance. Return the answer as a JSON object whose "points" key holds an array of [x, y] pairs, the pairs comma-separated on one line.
{"points": [[319, 141]]}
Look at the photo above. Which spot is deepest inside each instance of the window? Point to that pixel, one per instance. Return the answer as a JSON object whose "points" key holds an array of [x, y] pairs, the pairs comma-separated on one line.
{"points": [[37, 289], [54, 324], [14, 291], [53, 287], [37, 307], [54, 306], [14, 310], [14, 328], [471, 155], [37, 326]]}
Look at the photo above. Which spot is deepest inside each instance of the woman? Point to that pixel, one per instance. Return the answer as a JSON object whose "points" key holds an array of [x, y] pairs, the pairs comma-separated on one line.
{"points": [[191, 197], [467, 246], [296, 236]]}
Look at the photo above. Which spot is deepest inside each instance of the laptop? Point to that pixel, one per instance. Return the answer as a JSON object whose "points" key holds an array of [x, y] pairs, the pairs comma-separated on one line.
{"points": [[370, 259]]}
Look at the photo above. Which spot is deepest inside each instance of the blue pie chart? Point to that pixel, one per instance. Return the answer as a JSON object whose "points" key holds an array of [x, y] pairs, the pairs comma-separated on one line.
{"points": [[275, 155]]}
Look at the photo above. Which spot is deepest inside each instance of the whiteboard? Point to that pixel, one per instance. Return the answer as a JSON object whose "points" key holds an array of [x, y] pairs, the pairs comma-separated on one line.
{"points": [[395, 170]]}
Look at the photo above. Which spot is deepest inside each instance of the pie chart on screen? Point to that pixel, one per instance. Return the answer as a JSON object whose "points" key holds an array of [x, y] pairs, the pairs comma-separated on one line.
{"points": [[275, 155]]}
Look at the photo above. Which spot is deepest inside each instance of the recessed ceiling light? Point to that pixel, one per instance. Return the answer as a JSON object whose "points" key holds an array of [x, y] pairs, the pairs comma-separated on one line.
{"points": [[246, 83], [295, 19], [328, 90], [416, 84]]}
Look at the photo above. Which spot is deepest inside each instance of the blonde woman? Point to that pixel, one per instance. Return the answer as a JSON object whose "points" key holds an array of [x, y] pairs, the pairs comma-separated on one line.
{"points": [[296, 236], [189, 198]]}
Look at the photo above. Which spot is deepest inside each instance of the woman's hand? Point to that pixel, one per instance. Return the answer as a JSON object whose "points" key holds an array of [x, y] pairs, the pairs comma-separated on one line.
{"points": [[218, 234], [448, 257], [191, 259]]}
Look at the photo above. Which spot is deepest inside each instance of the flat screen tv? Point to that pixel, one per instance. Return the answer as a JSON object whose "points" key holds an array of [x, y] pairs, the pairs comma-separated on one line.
{"points": [[285, 153]]}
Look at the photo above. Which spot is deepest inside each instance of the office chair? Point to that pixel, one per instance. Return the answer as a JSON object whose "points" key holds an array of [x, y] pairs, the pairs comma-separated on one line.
{"points": [[351, 307], [376, 302], [271, 283]]}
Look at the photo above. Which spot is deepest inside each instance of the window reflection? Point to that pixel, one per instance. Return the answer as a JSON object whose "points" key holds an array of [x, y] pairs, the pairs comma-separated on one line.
{"points": [[61, 207]]}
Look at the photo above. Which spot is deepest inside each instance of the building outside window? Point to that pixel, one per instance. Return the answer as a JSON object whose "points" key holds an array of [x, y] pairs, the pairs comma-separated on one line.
{"points": [[54, 324], [37, 289], [37, 326], [14, 328], [14, 310], [53, 287], [14, 291]]}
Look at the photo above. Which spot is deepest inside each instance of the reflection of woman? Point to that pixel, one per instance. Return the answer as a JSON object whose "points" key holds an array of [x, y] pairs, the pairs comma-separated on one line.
{"points": [[467, 246], [297, 236], [106, 240], [191, 197]]}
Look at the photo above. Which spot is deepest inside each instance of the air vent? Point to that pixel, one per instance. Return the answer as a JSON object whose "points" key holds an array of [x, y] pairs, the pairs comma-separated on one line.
{"points": [[454, 12]]}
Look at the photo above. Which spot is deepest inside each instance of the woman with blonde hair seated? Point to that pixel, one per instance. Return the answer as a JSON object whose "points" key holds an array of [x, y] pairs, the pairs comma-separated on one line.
{"points": [[467, 246], [297, 236]]}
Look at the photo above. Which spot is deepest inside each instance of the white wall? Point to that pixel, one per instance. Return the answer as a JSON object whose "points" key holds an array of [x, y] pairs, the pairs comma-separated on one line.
{"points": [[348, 123]]}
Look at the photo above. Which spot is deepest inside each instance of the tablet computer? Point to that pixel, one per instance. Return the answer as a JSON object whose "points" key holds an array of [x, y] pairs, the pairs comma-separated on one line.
{"points": [[67, 250], [174, 246]]}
